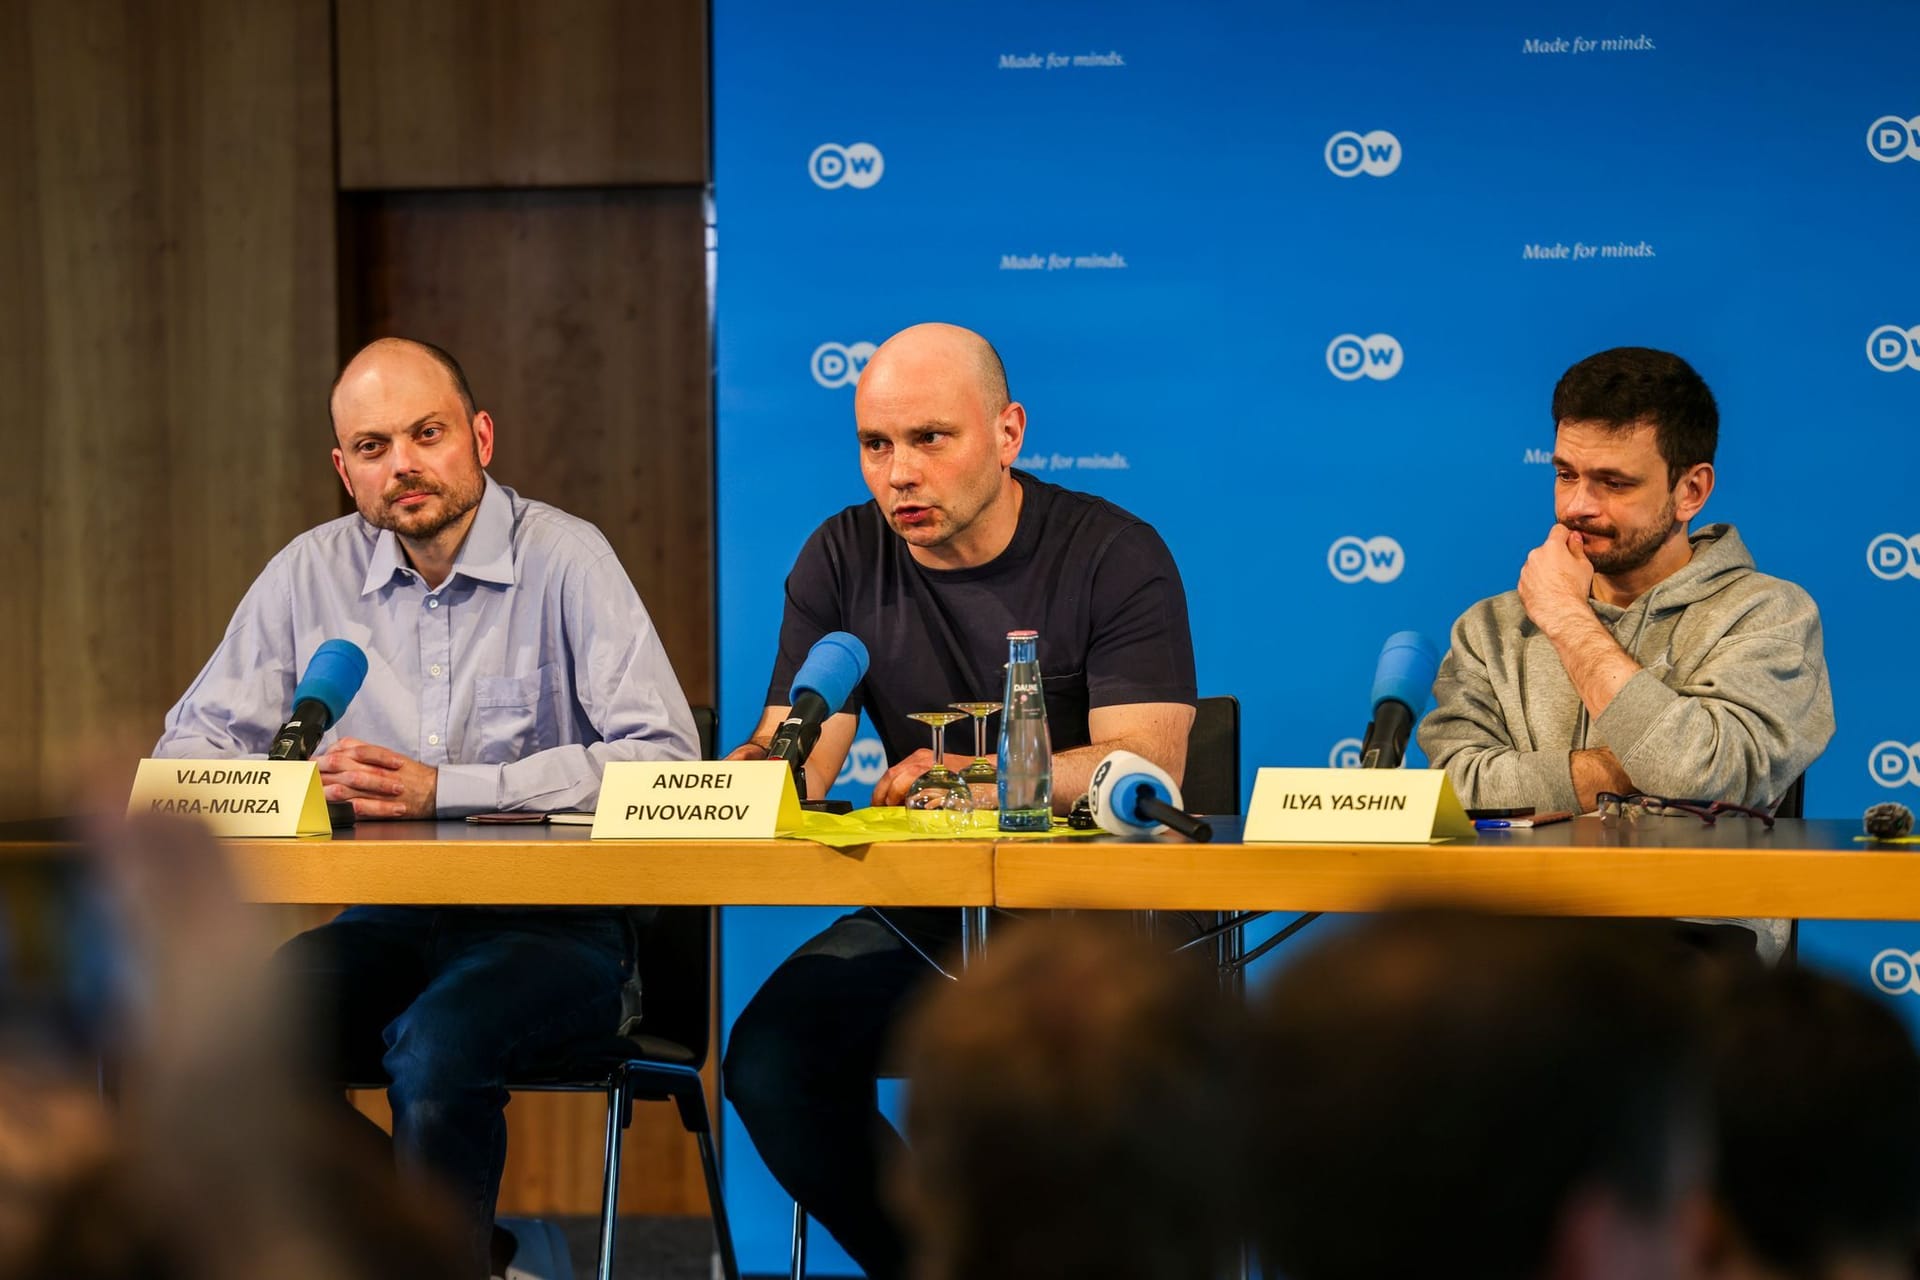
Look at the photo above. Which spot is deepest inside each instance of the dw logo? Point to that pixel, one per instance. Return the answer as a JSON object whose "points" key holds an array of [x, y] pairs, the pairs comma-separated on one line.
{"points": [[866, 763], [1895, 764], [1351, 154], [1893, 557], [835, 365], [1897, 972], [1890, 138], [1377, 356], [832, 165], [1376, 559], [1345, 754], [1892, 348]]}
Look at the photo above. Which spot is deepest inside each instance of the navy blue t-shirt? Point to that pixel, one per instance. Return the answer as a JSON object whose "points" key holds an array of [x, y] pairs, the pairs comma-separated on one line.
{"points": [[1096, 582]]}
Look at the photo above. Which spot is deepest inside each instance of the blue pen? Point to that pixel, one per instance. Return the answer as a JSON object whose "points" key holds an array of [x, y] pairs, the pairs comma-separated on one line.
{"points": [[1504, 824]]}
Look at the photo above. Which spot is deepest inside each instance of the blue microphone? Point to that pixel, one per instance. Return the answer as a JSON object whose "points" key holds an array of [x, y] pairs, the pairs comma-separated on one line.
{"points": [[331, 679], [1402, 685], [836, 663]]}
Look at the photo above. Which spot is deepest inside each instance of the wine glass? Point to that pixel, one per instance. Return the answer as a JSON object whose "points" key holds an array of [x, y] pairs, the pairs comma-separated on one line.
{"points": [[938, 801], [981, 777]]}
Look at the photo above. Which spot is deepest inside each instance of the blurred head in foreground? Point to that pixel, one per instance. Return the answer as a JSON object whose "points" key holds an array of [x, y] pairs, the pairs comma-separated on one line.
{"points": [[215, 1163], [1817, 1114], [1066, 1114], [1448, 1095]]}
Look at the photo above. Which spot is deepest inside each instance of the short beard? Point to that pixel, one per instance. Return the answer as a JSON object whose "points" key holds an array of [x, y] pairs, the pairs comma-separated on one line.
{"points": [[421, 527], [1635, 552]]}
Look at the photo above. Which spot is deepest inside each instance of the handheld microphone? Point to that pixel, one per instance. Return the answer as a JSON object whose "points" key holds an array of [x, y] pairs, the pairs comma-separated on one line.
{"points": [[1131, 795], [332, 677], [836, 663], [1402, 684]]}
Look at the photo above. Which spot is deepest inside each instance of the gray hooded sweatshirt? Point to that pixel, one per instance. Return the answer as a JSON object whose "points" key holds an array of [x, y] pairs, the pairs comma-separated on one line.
{"points": [[1732, 702]]}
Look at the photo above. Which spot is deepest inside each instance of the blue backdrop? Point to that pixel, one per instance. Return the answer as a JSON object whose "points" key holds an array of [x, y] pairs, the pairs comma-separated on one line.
{"points": [[1295, 283]]}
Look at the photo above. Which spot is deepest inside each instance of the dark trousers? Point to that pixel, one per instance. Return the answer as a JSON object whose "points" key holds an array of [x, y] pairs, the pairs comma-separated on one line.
{"points": [[801, 1066], [446, 1005]]}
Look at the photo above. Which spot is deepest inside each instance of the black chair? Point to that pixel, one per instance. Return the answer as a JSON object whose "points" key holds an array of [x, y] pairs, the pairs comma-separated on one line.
{"points": [[661, 1057], [706, 725], [1212, 781], [659, 1061], [1794, 803]]}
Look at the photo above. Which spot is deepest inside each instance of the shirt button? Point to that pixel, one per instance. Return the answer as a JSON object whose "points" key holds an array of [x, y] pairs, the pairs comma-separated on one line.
{"points": [[433, 739], [434, 669], [433, 603]]}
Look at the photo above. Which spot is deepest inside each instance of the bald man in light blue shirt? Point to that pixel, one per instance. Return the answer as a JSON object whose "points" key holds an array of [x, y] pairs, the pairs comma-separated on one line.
{"points": [[515, 679], [512, 676], [509, 659]]}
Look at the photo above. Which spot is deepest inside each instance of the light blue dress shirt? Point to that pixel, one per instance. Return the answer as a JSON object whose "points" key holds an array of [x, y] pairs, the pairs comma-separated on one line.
{"points": [[530, 667]]}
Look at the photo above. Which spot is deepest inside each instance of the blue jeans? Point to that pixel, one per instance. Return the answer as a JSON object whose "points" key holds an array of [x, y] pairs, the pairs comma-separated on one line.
{"points": [[446, 1005]]}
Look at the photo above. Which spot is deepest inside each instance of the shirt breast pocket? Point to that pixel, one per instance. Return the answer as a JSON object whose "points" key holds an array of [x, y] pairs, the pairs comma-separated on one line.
{"points": [[515, 716]]}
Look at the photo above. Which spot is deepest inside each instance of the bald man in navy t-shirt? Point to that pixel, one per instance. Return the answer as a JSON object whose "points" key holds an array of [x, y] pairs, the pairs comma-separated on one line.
{"points": [[956, 550]]}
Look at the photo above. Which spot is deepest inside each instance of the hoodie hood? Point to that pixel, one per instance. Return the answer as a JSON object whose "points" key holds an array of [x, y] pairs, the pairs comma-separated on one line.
{"points": [[1720, 559]]}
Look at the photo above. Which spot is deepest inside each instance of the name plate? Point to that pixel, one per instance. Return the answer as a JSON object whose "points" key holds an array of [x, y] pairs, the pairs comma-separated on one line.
{"points": [[696, 800], [1365, 806], [235, 797]]}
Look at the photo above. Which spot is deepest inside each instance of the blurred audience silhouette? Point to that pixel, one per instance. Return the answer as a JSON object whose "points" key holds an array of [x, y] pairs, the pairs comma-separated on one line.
{"points": [[1466, 1097], [1067, 1116], [213, 1161], [1817, 1123]]}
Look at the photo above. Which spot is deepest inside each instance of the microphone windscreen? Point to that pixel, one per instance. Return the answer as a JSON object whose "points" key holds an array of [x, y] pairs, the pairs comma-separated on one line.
{"points": [[1115, 789], [835, 664], [1408, 664], [1889, 821], [332, 677]]}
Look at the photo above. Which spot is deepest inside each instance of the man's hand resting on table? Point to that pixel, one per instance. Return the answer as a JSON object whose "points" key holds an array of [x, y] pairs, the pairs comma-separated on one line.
{"points": [[379, 782]]}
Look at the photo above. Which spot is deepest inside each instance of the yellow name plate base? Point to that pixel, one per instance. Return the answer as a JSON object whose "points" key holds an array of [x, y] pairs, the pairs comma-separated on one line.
{"points": [[696, 800], [1363, 806], [252, 798]]}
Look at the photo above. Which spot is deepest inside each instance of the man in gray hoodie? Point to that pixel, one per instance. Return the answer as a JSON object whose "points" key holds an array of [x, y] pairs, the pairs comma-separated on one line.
{"points": [[1632, 656]]}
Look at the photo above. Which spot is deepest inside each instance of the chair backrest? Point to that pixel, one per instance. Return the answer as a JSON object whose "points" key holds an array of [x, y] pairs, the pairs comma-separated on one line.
{"points": [[1212, 783], [706, 724], [1794, 803], [676, 978]]}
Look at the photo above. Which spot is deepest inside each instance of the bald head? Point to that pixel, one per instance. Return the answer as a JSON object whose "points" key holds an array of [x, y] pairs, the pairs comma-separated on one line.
{"points": [[387, 359], [929, 353], [938, 440], [410, 447]]}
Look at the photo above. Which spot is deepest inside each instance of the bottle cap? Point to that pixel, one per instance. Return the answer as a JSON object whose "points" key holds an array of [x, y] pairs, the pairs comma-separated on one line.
{"points": [[1023, 635]]}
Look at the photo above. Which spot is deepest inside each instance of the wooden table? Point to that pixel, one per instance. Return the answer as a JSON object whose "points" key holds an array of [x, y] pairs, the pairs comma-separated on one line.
{"points": [[1662, 867], [460, 863], [1666, 867]]}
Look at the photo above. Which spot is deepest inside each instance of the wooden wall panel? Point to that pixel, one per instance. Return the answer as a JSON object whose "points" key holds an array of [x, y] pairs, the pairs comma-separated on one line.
{"points": [[581, 320], [171, 322], [22, 413], [522, 93]]}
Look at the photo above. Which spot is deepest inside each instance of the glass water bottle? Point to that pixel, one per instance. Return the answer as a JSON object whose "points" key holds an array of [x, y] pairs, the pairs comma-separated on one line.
{"points": [[1026, 752]]}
